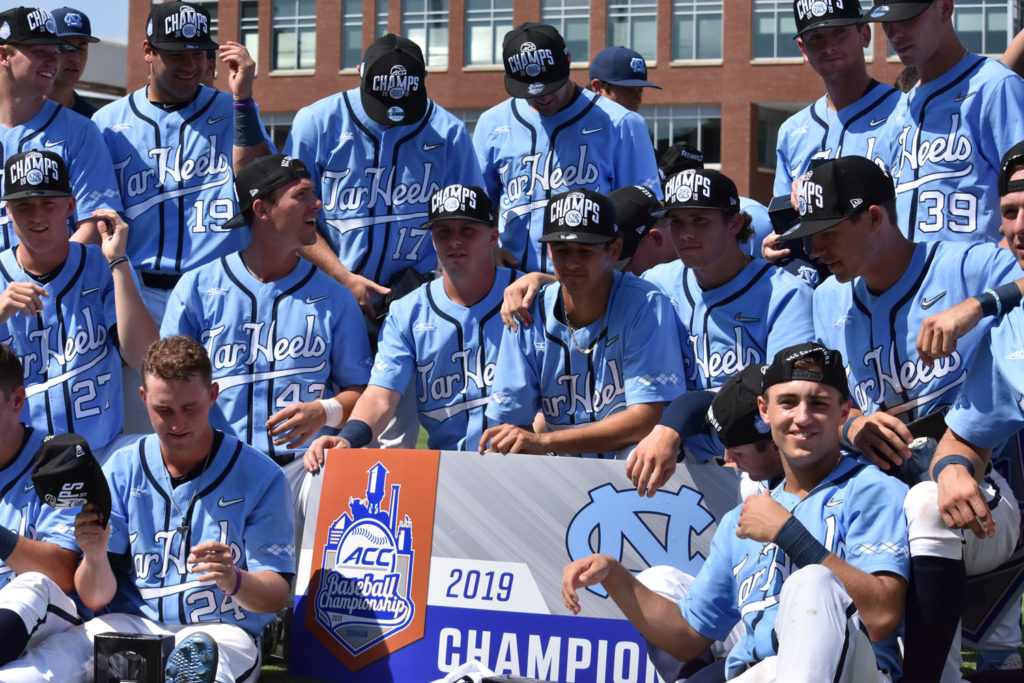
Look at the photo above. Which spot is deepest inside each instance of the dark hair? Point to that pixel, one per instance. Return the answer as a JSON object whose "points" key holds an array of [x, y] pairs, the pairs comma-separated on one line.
{"points": [[177, 358], [12, 375]]}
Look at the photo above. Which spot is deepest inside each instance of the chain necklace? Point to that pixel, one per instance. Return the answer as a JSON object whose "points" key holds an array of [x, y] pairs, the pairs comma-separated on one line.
{"points": [[572, 333], [183, 527]]}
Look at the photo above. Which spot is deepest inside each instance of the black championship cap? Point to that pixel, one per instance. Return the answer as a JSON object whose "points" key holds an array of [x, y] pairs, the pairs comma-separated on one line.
{"points": [[783, 368], [394, 92], [260, 177], [897, 10], [581, 216], [635, 207], [28, 26], [700, 188], [179, 27], [536, 60], [460, 202], [621, 66], [1012, 162], [73, 23], [812, 14], [37, 173], [66, 475], [680, 156], [733, 414], [838, 189]]}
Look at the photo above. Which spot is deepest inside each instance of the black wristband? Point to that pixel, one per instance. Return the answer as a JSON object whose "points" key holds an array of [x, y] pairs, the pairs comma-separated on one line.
{"points": [[799, 545]]}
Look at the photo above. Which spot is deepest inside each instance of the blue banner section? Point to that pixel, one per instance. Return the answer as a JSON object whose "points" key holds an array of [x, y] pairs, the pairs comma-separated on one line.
{"points": [[548, 647]]}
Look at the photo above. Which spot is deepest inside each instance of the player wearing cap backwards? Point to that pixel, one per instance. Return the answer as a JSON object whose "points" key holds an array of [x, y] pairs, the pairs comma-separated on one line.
{"points": [[813, 569], [946, 136], [602, 354], [620, 74], [380, 151], [176, 143], [549, 137], [279, 331], [62, 302], [29, 64], [443, 337], [199, 544], [74, 28]]}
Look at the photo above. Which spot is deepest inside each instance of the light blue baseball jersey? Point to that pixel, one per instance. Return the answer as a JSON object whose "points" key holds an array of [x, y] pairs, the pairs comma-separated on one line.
{"points": [[818, 132], [69, 350], [78, 142], [856, 513], [877, 335], [375, 181], [946, 139], [174, 172], [527, 158], [760, 222], [451, 351], [241, 500], [636, 358], [21, 509], [271, 344], [763, 309]]}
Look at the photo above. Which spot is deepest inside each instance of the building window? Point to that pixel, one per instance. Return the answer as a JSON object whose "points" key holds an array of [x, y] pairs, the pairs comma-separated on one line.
{"points": [[984, 26], [248, 27], [278, 125], [572, 19], [773, 30], [768, 123], [351, 33], [487, 22], [696, 29], [468, 117], [425, 22], [293, 34], [634, 25], [211, 7], [699, 124], [382, 18]]}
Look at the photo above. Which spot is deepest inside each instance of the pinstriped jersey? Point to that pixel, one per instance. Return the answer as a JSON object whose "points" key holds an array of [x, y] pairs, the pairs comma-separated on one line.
{"points": [[375, 181], [241, 499], [174, 172], [947, 138], [760, 311], [856, 513], [527, 158], [635, 358], [21, 509], [271, 344], [68, 351], [451, 352], [818, 132], [79, 144], [877, 335]]}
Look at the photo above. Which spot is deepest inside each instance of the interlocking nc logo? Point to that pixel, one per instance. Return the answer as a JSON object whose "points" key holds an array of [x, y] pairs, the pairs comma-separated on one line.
{"points": [[617, 517]]}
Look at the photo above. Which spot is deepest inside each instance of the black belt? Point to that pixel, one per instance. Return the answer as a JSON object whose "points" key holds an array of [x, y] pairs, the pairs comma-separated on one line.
{"points": [[159, 280]]}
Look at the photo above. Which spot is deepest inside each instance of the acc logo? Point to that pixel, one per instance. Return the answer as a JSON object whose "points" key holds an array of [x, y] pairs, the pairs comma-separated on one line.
{"points": [[616, 516], [367, 564]]}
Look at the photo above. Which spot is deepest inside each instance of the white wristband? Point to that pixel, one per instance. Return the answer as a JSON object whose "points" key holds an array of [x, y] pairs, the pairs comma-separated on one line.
{"points": [[334, 410]]}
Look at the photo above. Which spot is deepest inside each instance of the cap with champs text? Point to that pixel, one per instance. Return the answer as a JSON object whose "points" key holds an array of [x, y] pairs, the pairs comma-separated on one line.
{"points": [[393, 90], [897, 10], [260, 177], [783, 367], [812, 14], [179, 27], [66, 475], [581, 216], [700, 188], [28, 26], [536, 60], [733, 414], [460, 202], [36, 173], [836, 190], [621, 66]]}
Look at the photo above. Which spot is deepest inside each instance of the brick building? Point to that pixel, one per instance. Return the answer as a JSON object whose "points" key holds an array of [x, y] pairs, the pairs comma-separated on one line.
{"points": [[730, 70]]}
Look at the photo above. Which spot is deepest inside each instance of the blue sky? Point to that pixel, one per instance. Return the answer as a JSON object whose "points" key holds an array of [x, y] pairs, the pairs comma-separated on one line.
{"points": [[109, 18]]}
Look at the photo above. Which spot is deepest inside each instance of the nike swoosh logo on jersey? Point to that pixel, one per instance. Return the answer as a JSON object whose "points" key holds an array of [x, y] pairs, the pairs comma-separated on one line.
{"points": [[612, 340], [52, 143], [928, 303], [227, 503], [87, 292], [834, 502], [210, 120], [872, 123], [961, 98], [29, 486], [310, 300], [427, 148], [740, 318], [588, 131]]}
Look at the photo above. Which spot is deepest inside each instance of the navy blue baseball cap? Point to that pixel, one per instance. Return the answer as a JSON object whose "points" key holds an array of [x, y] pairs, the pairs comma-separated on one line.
{"points": [[73, 23], [621, 66], [897, 10]]}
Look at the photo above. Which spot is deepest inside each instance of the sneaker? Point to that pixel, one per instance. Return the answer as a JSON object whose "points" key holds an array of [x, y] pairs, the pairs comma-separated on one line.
{"points": [[193, 660]]}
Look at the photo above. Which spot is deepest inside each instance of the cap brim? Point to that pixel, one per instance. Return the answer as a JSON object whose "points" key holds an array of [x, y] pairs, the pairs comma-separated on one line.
{"points": [[707, 207], [236, 221], [570, 236], [41, 40], [176, 46], [832, 23], [517, 88], [471, 219], [415, 107], [28, 194], [634, 83], [896, 12], [808, 228]]}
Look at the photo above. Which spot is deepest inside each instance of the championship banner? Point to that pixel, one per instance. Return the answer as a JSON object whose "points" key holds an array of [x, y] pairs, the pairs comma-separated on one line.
{"points": [[414, 562]]}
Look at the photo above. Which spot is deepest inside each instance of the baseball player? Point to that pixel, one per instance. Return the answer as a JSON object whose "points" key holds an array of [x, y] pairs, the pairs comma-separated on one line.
{"points": [[378, 152], [74, 28], [175, 144], [61, 303], [620, 74], [279, 331], [443, 337], [29, 63], [38, 553], [645, 238], [586, 363], [199, 544], [549, 137], [947, 135], [813, 569]]}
